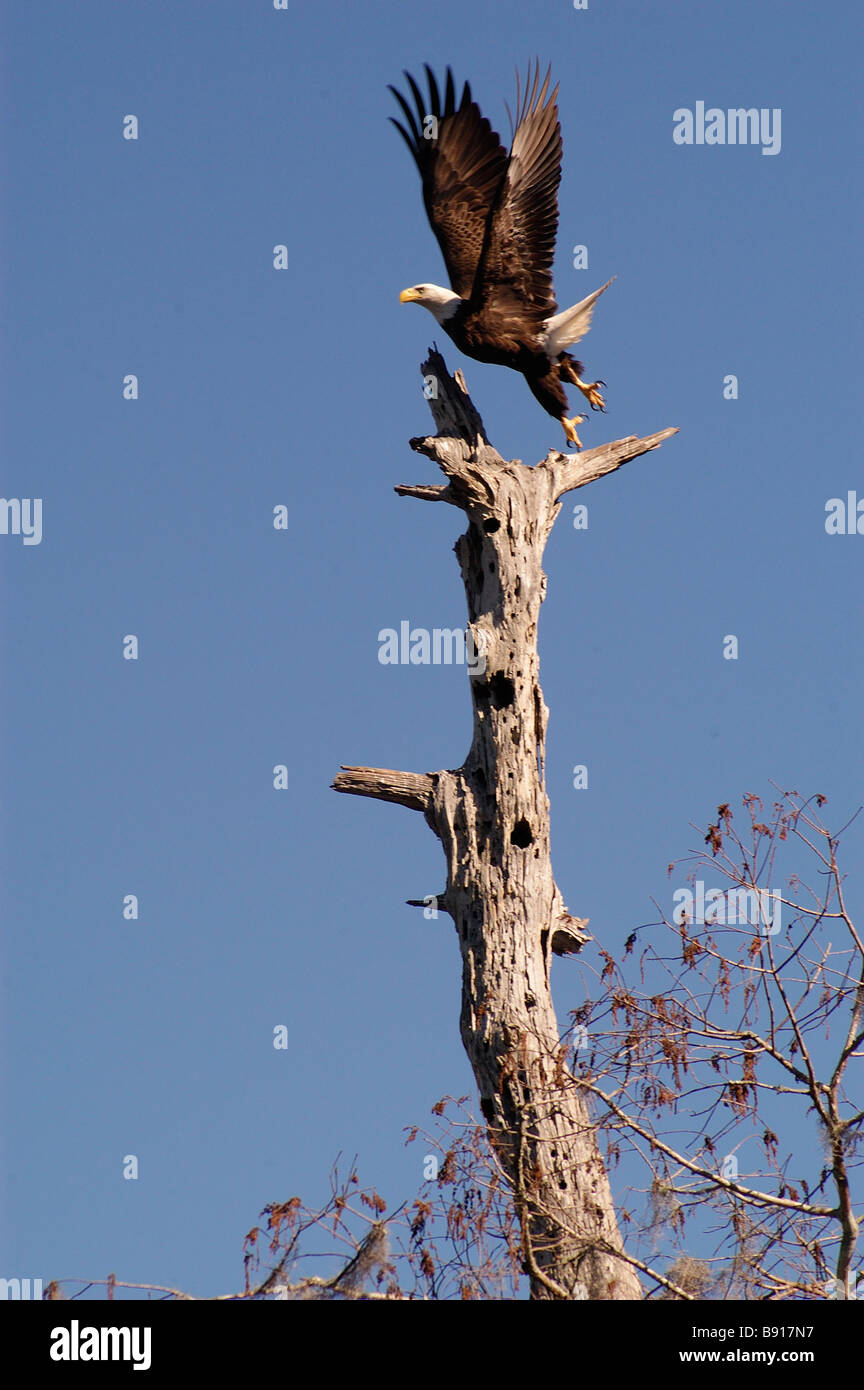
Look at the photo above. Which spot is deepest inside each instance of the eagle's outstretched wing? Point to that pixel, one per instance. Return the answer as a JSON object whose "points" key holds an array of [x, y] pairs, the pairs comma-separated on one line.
{"points": [[514, 277], [462, 164]]}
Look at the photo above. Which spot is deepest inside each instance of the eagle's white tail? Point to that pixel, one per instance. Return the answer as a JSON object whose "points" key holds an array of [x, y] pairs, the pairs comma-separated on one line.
{"points": [[566, 328]]}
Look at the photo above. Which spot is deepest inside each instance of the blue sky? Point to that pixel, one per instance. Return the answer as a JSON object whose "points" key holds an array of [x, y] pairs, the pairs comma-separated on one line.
{"points": [[300, 387]]}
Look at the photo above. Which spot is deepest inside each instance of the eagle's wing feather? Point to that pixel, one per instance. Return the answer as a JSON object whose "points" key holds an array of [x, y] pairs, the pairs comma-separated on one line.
{"points": [[462, 168], [514, 279]]}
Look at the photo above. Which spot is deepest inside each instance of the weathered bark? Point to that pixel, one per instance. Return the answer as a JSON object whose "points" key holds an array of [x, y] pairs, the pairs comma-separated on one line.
{"points": [[492, 818]]}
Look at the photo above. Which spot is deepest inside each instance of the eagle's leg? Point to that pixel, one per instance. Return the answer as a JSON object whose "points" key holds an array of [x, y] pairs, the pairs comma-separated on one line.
{"points": [[591, 394], [569, 369], [569, 427]]}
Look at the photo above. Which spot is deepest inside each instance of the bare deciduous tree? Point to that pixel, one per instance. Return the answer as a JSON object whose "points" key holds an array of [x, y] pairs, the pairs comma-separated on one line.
{"points": [[731, 1069]]}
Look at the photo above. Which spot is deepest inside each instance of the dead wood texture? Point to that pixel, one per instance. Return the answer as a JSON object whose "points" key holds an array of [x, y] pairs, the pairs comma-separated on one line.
{"points": [[492, 818]]}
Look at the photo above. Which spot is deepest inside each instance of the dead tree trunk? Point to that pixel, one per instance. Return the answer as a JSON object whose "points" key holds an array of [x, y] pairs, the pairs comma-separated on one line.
{"points": [[492, 818]]}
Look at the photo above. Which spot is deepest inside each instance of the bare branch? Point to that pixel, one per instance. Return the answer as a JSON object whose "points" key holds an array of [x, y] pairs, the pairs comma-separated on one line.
{"points": [[411, 789], [575, 470]]}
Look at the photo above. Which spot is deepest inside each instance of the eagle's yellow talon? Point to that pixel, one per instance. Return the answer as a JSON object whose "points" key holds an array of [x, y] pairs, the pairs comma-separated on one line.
{"points": [[591, 394], [570, 428]]}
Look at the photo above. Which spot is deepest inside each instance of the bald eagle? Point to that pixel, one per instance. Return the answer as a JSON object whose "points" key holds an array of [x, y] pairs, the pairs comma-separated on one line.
{"points": [[495, 216]]}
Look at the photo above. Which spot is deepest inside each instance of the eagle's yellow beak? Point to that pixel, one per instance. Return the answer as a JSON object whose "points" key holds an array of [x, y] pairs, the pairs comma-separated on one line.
{"points": [[407, 296]]}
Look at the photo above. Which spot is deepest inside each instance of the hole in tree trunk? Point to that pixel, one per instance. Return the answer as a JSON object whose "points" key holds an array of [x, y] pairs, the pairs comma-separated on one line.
{"points": [[491, 524], [503, 690], [520, 835]]}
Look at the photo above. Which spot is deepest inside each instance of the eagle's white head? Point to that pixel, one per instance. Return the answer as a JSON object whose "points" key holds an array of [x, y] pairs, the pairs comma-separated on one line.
{"points": [[440, 302]]}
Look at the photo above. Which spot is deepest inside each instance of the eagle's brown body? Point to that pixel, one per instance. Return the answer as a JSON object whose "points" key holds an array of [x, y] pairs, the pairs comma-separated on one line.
{"points": [[530, 358]]}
